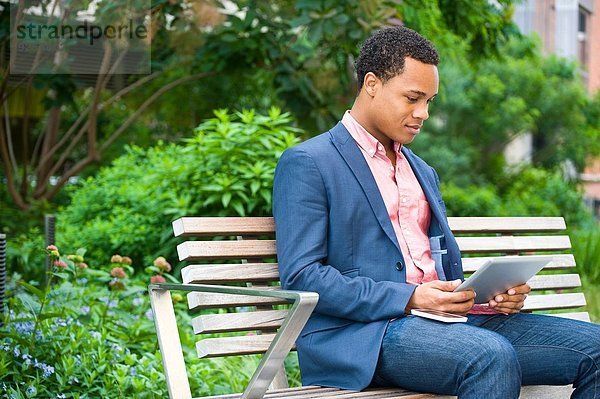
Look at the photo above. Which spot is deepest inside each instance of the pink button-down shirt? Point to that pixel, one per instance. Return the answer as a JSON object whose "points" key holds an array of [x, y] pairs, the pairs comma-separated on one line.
{"points": [[404, 200]]}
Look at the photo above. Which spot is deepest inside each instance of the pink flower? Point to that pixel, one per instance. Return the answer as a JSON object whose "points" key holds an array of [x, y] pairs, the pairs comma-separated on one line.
{"points": [[126, 260], [60, 264], [118, 272], [53, 250], [82, 265], [157, 279], [116, 285], [116, 259], [162, 264]]}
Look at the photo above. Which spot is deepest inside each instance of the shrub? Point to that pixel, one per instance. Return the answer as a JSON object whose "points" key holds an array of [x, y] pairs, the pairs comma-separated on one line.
{"points": [[529, 192], [226, 169], [88, 332]]}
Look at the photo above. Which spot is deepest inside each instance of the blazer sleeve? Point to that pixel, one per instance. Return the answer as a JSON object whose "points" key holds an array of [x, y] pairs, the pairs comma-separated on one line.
{"points": [[300, 208]]}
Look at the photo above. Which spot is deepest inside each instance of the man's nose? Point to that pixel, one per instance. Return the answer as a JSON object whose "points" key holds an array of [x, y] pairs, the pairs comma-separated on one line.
{"points": [[421, 112]]}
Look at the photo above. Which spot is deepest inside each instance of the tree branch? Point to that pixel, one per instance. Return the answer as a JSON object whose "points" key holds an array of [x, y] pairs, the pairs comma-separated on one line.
{"points": [[87, 161], [148, 102]]}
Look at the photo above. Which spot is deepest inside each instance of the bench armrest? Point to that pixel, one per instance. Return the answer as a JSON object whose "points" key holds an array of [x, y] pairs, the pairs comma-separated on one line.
{"points": [[170, 345]]}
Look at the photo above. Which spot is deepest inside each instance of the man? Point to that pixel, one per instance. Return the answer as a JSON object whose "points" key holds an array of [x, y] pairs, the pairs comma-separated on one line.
{"points": [[360, 220]]}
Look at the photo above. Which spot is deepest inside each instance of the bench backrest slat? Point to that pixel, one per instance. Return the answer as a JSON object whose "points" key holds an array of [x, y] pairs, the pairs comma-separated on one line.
{"points": [[478, 238], [232, 226], [209, 250]]}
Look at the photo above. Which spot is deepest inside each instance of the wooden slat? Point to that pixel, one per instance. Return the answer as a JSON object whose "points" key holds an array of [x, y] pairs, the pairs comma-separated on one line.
{"points": [[513, 244], [214, 226], [209, 300], [232, 346], [225, 226], [251, 272], [506, 224], [213, 250], [310, 392], [229, 273], [254, 344], [555, 281], [561, 261], [243, 321], [276, 392], [554, 301]]}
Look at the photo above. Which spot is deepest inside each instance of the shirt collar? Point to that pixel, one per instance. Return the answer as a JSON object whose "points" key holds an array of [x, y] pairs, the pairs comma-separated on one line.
{"points": [[364, 139]]}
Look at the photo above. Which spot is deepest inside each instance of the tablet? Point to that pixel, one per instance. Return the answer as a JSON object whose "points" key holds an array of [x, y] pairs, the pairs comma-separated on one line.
{"points": [[497, 275]]}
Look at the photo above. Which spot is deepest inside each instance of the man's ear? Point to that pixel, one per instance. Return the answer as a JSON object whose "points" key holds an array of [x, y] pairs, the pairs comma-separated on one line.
{"points": [[371, 83]]}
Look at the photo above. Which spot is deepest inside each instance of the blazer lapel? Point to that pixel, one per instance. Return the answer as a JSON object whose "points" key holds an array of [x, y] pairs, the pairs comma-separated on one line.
{"points": [[430, 193], [344, 143]]}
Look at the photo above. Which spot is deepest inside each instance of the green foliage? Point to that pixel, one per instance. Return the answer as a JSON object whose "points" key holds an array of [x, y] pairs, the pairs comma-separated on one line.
{"points": [[471, 201], [226, 169], [482, 107], [586, 247], [529, 192], [89, 333]]}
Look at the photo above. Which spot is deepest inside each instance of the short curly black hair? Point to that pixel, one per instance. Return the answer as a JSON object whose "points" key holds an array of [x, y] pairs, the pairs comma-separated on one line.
{"points": [[384, 52]]}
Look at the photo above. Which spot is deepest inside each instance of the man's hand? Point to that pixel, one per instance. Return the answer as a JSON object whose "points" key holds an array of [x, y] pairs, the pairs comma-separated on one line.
{"points": [[512, 301], [438, 295]]}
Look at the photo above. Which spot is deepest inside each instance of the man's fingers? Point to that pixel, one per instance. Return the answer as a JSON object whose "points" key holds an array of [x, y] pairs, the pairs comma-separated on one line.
{"points": [[510, 298], [520, 289], [447, 286]]}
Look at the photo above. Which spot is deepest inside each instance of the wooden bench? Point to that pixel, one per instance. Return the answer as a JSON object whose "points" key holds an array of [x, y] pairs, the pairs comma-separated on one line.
{"points": [[249, 286]]}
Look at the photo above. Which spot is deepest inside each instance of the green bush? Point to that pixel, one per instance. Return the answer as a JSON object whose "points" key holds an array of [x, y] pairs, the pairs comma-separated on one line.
{"points": [[226, 169], [89, 333], [529, 192], [586, 248]]}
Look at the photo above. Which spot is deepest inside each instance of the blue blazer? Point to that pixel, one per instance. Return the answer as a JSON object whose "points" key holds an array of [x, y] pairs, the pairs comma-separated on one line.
{"points": [[334, 237]]}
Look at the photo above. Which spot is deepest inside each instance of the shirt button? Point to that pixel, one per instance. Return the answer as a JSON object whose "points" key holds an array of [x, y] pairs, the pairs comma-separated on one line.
{"points": [[403, 199], [399, 266]]}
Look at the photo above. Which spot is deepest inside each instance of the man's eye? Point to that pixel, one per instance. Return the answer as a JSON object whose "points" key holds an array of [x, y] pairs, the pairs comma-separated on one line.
{"points": [[412, 99]]}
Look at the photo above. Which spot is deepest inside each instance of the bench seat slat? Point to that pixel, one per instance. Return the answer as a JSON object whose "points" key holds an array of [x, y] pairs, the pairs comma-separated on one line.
{"points": [[513, 244], [242, 321], [310, 392], [286, 391]]}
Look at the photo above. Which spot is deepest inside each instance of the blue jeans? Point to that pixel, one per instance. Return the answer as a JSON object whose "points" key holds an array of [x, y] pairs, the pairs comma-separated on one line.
{"points": [[490, 356]]}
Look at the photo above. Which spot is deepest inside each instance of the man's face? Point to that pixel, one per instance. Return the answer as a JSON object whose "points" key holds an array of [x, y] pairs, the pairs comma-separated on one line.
{"points": [[400, 106]]}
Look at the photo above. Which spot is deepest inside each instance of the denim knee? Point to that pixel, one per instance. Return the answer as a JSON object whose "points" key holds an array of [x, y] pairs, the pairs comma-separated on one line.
{"points": [[497, 358]]}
